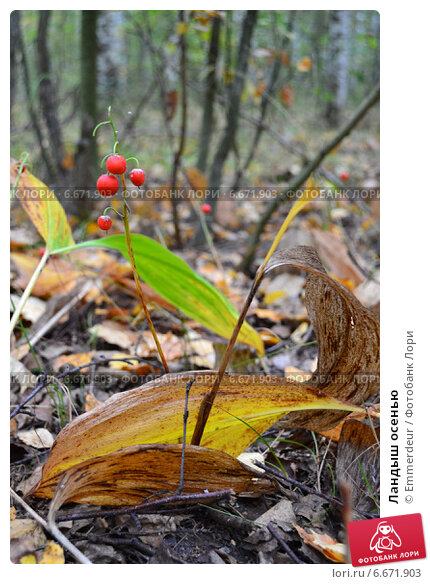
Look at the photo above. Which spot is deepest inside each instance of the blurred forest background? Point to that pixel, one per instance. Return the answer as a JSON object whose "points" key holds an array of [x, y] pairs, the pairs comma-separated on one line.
{"points": [[298, 72], [239, 98]]}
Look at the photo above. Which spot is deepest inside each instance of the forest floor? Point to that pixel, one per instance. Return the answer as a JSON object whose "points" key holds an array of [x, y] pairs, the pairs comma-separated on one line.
{"points": [[346, 236]]}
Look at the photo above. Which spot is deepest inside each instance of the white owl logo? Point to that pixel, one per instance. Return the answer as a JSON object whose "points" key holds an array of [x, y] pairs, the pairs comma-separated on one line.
{"points": [[385, 538]]}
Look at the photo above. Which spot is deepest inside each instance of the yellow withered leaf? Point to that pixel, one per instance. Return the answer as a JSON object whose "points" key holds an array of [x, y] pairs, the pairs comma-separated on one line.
{"points": [[43, 208], [153, 413], [28, 559], [53, 554]]}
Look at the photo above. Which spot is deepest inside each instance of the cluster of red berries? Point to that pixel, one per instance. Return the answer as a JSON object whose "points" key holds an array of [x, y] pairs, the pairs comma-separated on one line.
{"points": [[108, 184]]}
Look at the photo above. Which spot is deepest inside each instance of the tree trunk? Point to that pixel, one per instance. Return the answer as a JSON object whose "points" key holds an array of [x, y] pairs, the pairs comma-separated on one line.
{"points": [[375, 67], [233, 106], [343, 60], [181, 146], [28, 90], [111, 63], [14, 48], [207, 120], [86, 155], [267, 95], [47, 92], [332, 79]]}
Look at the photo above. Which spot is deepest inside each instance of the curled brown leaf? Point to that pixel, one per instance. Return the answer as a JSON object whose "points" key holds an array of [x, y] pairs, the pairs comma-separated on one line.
{"points": [[127, 476]]}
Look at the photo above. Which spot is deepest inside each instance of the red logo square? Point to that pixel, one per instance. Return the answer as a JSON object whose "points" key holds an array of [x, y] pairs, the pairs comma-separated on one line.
{"points": [[389, 539]]}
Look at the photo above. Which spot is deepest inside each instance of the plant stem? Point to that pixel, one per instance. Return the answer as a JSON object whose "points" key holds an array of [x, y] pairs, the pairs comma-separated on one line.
{"points": [[28, 290], [130, 249], [209, 397], [136, 275]]}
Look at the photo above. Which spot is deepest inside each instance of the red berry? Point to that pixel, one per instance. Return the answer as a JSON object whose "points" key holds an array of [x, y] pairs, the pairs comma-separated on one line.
{"points": [[104, 222], [18, 166], [107, 185], [116, 164], [137, 177], [344, 176], [206, 208], [42, 253]]}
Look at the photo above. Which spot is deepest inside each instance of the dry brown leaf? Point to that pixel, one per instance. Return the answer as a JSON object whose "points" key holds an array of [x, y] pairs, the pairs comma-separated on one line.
{"points": [[21, 237], [196, 178], [358, 463], [260, 88], [268, 314], [334, 254], [171, 101], [333, 550], [287, 95], [268, 337], [75, 360], [127, 476], [33, 308], [91, 402], [121, 335], [37, 438], [284, 57], [294, 374], [347, 336], [57, 277], [271, 297], [334, 433], [115, 333]]}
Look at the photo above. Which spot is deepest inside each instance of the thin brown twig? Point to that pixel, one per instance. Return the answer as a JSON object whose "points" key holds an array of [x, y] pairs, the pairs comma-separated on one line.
{"points": [[144, 507], [184, 437], [283, 544]]}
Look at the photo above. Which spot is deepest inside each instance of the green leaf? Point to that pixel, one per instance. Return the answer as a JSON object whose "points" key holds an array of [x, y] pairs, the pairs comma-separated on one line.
{"points": [[175, 281]]}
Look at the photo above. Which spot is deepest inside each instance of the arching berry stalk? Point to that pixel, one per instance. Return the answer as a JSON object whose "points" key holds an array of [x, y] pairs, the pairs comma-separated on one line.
{"points": [[117, 163]]}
